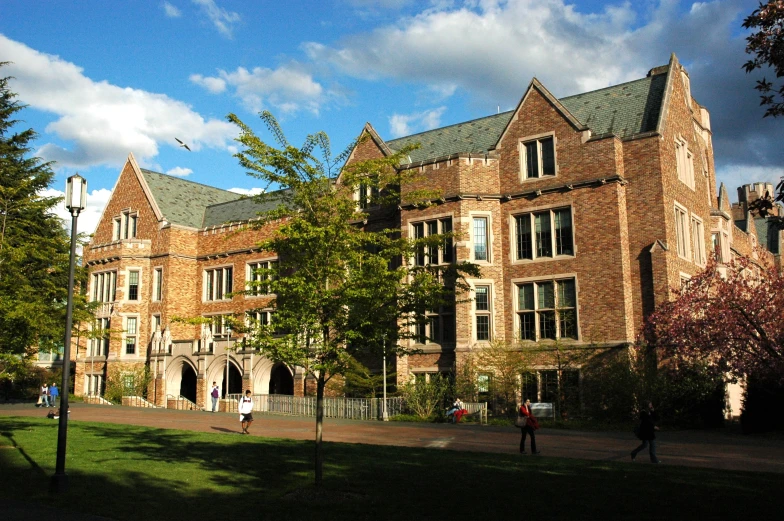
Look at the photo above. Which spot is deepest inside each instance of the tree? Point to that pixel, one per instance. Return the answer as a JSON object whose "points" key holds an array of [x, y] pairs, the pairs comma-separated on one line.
{"points": [[505, 362], [735, 322], [34, 245], [767, 46], [340, 288]]}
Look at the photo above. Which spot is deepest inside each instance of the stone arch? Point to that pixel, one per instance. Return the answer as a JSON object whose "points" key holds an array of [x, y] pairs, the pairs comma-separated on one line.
{"points": [[181, 370], [281, 380], [216, 372]]}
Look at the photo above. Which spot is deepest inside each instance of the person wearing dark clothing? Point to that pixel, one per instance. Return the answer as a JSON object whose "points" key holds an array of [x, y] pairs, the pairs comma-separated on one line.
{"points": [[528, 429], [648, 428]]}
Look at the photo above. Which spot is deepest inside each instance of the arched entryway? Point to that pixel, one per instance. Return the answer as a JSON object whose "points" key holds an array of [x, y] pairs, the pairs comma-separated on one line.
{"points": [[281, 380], [188, 383], [234, 379]]}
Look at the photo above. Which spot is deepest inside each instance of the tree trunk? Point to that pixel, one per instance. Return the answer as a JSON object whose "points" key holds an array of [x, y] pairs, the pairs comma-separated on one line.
{"points": [[319, 425]]}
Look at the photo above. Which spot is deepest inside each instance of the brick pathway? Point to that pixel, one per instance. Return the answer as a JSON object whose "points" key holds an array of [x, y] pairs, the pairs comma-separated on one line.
{"points": [[719, 450]]}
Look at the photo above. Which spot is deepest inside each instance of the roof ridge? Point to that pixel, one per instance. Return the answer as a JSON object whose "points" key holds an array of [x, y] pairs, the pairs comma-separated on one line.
{"points": [[609, 87], [148, 171], [452, 125]]}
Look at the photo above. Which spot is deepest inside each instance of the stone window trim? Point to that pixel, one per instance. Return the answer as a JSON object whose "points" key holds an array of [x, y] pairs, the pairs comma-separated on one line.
{"points": [[131, 325], [106, 282], [532, 211], [125, 225], [221, 290], [157, 284], [489, 284], [488, 217], [127, 284], [684, 162], [682, 225], [249, 276], [698, 240], [684, 279], [515, 283], [522, 146]]}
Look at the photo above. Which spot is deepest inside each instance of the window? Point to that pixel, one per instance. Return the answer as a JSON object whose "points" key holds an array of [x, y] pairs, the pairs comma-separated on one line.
{"points": [[540, 234], [259, 318], [133, 285], [682, 232], [481, 237], [124, 226], [367, 194], [155, 323], [116, 229], [129, 384], [157, 291], [94, 385], [433, 254], [537, 158], [258, 273], [130, 335], [218, 283], [99, 344], [104, 286], [698, 240], [684, 163], [220, 325], [483, 383], [482, 313], [547, 309], [436, 327]]}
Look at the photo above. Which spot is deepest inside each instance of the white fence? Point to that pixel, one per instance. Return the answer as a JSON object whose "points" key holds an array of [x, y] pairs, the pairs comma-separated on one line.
{"points": [[342, 408]]}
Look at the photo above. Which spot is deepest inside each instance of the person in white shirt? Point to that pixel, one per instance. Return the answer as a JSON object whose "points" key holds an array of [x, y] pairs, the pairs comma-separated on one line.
{"points": [[246, 411]]}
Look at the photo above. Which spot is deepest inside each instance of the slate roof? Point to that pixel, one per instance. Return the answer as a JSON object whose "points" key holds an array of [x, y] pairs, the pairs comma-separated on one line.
{"points": [[240, 210], [624, 110]]}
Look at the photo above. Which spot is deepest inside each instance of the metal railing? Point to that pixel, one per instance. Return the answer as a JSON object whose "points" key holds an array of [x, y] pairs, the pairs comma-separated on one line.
{"points": [[334, 407], [180, 403]]}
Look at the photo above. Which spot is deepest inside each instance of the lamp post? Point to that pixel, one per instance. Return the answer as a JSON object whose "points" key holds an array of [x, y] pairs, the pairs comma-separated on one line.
{"points": [[75, 196]]}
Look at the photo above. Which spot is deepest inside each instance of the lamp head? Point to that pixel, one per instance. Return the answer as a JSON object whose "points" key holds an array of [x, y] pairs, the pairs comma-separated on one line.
{"points": [[75, 194]]}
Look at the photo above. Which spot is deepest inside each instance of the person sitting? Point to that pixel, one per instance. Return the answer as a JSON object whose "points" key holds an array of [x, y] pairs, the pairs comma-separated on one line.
{"points": [[457, 411]]}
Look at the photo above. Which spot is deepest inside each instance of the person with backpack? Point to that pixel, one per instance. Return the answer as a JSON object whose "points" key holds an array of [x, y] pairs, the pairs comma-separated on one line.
{"points": [[245, 408], [214, 394], [647, 433]]}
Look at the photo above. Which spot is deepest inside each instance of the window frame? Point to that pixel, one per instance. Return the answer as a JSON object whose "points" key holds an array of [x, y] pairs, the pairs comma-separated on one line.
{"points": [[250, 276], [530, 215], [128, 271], [488, 218], [684, 162], [157, 284], [537, 311], [108, 291], [523, 156], [128, 334], [477, 313], [209, 291], [698, 240], [682, 231], [445, 253]]}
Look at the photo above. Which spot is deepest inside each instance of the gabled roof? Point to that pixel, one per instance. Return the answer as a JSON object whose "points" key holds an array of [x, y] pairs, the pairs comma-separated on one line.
{"points": [[184, 202], [623, 110], [243, 209]]}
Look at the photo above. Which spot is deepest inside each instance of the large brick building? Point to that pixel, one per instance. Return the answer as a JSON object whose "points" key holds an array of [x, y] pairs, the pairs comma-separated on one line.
{"points": [[583, 212]]}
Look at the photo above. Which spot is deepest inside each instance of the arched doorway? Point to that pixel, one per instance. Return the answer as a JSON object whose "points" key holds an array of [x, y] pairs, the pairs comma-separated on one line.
{"points": [[235, 381], [281, 380], [188, 383]]}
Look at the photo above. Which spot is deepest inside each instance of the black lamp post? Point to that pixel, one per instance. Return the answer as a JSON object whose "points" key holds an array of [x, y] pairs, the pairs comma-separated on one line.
{"points": [[75, 196]]}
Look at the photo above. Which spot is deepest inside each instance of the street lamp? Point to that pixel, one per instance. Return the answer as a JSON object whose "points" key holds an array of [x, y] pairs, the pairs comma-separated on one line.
{"points": [[75, 196]]}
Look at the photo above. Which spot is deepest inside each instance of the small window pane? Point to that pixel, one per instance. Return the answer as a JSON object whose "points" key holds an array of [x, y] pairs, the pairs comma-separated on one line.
{"points": [[566, 295], [525, 297], [567, 323], [546, 295], [480, 238], [548, 156], [483, 327], [544, 236], [482, 303], [527, 327], [547, 324], [446, 227], [532, 159], [524, 239], [563, 232]]}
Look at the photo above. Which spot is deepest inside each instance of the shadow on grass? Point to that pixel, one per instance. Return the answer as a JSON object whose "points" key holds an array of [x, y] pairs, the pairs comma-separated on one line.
{"points": [[128, 472]]}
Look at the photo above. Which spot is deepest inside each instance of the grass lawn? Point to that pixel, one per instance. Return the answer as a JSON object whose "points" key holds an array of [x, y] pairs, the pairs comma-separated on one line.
{"points": [[134, 473]]}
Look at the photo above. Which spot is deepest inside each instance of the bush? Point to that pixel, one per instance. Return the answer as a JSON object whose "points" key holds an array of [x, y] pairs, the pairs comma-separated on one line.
{"points": [[126, 381], [427, 398]]}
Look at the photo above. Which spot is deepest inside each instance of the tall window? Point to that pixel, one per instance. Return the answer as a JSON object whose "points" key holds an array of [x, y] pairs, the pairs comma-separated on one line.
{"points": [[433, 254], [547, 309], [367, 194], [259, 273], [537, 158], [682, 232], [540, 234], [124, 226], [131, 332], [218, 283], [99, 344], [684, 163], [437, 326], [698, 240], [104, 287], [482, 312], [133, 285], [219, 325], [481, 237], [157, 291]]}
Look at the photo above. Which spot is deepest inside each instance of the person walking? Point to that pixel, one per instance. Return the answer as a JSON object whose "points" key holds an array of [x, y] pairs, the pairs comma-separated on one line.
{"points": [[530, 424], [647, 433], [245, 408], [214, 394], [54, 393], [44, 396]]}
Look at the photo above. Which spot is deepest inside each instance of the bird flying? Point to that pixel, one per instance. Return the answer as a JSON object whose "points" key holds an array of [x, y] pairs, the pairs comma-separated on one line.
{"points": [[183, 145]]}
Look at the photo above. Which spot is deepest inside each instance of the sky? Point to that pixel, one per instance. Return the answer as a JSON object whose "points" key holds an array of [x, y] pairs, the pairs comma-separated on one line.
{"points": [[105, 79]]}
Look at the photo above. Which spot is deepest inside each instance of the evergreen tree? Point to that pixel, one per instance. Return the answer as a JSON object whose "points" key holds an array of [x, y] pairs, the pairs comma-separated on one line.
{"points": [[34, 245]]}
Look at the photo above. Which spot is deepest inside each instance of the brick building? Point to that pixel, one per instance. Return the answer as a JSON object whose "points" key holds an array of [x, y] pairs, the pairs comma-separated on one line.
{"points": [[583, 212]]}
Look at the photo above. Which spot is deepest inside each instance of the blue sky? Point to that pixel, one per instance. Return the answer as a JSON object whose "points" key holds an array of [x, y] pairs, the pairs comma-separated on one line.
{"points": [[105, 79]]}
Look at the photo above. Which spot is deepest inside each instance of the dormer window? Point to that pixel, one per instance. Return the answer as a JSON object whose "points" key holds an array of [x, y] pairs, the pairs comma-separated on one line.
{"points": [[124, 226], [537, 157]]}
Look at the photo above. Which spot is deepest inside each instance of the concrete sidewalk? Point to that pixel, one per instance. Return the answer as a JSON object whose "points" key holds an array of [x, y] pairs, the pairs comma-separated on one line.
{"points": [[711, 449]]}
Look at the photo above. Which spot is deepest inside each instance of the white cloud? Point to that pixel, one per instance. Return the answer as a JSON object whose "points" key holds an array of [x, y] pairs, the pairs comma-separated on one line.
{"points": [[179, 171], [170, 10], [88, 218], [288, 88], [222, 19], [102, 122], [407, 124], [247, 191]]}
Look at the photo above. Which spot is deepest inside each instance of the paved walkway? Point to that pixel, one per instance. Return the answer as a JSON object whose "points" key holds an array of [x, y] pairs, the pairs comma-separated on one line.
{"points": [[711, 449]]}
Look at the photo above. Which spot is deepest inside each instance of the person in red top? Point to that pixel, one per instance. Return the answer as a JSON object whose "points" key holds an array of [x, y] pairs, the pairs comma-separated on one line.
{"points": [[530, 426]]}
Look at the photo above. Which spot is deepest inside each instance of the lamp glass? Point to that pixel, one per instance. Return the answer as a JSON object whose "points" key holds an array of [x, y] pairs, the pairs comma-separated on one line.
{"points": [[75, 192]]}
